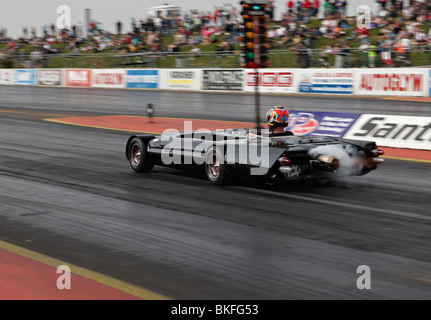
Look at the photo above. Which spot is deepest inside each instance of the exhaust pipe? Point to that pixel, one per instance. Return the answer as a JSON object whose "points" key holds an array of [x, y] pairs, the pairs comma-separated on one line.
{"points": [[326, 163], [378, 160]]}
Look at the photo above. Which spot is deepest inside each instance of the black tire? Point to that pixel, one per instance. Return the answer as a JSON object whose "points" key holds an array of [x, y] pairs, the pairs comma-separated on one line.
{"points": [[138, 156], [215, 167]]}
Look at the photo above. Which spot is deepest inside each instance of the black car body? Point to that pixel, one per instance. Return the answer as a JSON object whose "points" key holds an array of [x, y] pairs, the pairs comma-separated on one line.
{"points": [[250, 154]]}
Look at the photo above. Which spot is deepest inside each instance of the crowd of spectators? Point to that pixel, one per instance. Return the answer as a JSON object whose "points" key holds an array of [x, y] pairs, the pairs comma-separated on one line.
{"points": [[393, 30], [167, 34], [303, 23]]}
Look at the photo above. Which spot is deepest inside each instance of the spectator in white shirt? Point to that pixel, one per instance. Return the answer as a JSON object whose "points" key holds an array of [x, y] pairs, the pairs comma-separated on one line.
{"points": [[281, 32]]}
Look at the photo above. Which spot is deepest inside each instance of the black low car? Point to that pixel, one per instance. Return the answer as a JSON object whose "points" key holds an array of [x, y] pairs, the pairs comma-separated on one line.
{"points": [[241, 153]]}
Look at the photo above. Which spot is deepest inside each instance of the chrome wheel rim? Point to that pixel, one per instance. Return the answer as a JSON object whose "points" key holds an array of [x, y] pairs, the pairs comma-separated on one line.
{"points": [[136, 155], [214, 167]]}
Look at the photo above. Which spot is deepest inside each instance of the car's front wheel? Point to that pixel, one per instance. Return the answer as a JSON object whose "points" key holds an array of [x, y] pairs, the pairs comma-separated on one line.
{"points": [[138, 156]]}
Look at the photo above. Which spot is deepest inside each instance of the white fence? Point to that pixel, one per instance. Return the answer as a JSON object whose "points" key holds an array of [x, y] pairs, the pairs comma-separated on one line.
{"points": [[413, 82]]}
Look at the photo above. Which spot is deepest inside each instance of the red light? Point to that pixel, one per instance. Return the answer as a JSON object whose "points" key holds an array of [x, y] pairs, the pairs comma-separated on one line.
{"points": [[378, 152], [284, 161], [252, 65]]}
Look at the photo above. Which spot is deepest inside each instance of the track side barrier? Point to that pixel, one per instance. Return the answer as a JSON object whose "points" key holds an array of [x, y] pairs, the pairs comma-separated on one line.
{"points": [[329, 81], [50, 77], [78, 77], [386, 130], [108, 78], [181, 79], [406, 82], [393, 131], [270, 80], [6, 76], [25, 77], [142, 79]]}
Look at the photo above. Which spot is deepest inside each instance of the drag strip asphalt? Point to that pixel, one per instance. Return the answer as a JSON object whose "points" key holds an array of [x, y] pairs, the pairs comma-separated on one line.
{"points": [[69, 193]]}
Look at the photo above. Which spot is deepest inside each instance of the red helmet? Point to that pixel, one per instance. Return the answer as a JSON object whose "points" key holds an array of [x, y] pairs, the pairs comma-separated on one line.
{"points": [[277, 117]]}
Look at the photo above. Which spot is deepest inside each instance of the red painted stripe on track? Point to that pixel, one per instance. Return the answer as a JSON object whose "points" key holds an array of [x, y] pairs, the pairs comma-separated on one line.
{"points": [[22, 278], [144, 124]]}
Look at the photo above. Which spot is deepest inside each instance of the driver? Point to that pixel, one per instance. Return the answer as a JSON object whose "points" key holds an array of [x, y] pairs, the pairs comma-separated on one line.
{"points": [[277, 120]]}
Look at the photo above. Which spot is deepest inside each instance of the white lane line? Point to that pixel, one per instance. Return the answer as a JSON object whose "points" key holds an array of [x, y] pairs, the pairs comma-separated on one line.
{"points": [[339, 204]]}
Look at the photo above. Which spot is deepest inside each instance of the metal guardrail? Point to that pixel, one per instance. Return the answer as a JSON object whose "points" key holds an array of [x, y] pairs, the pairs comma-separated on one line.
{"points": [[224, 59], [141, 60]]}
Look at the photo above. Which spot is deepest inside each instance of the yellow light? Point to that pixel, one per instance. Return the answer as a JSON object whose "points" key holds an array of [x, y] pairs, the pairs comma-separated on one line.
{"points": [[249, 35], [249, 45], [249, 25]]}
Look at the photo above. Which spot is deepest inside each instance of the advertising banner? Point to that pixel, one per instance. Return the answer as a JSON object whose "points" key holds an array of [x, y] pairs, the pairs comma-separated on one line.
{"points": [[392, 82], [49, 77], [333, 81], [180, 79], [6, 76], [25, 77], [142, 79], [320, 123], [270, 80], [108, 78], [393, 131], [225, 80], [78, 78]]}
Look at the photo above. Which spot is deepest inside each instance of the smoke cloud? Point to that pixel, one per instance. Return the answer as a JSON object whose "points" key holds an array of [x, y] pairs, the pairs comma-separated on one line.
{"points": [[347, 155]]}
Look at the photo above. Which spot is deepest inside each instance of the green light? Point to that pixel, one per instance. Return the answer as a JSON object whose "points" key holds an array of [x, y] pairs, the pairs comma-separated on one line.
{"points": [[256, 7], [250, 55]]}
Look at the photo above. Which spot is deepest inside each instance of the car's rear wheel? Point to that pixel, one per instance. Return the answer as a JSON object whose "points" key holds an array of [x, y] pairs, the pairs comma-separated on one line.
{"points": [[215, 167], [138, 156]]}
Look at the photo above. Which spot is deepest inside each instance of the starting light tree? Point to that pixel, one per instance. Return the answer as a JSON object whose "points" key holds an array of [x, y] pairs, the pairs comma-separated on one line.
{"points": [[255, 25]]}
